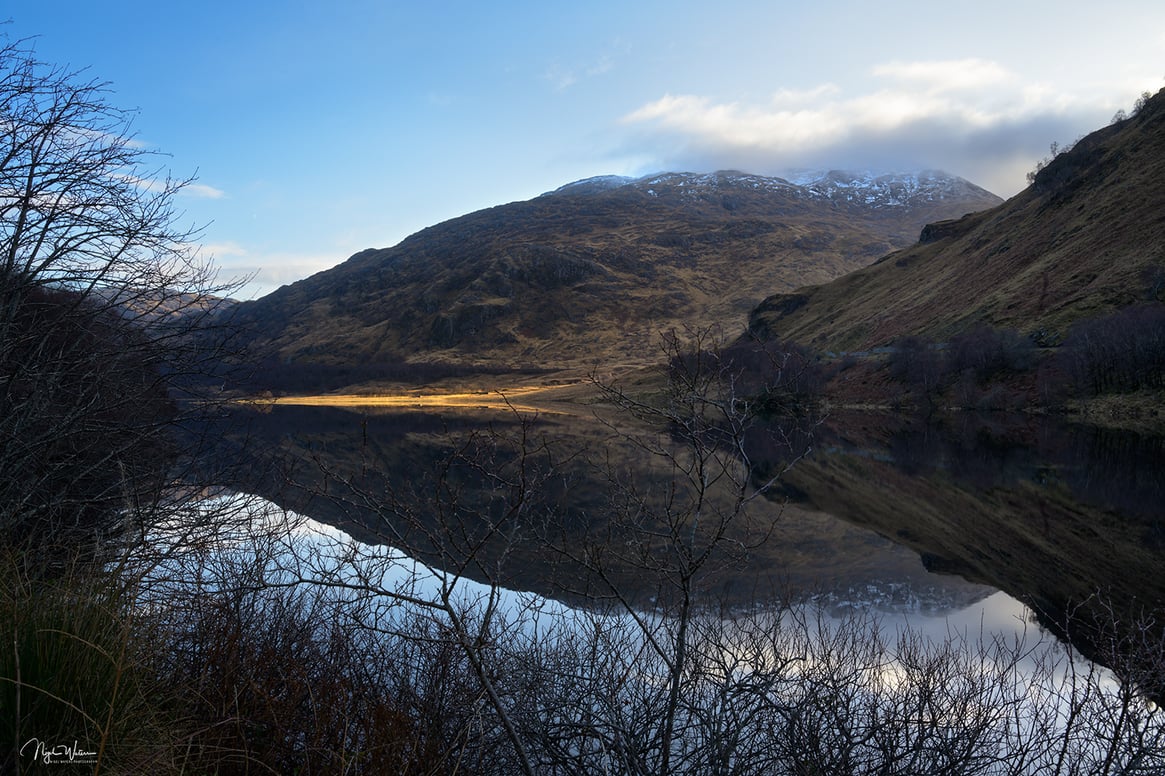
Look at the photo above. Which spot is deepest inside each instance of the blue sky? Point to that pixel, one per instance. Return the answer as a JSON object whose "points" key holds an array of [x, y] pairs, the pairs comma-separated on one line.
{"points": [[319, 129]]}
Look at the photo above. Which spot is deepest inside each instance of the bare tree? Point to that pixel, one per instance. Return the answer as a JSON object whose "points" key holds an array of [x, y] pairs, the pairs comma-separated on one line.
{"points": [[656, 557], [104, 304], [101, 294]]}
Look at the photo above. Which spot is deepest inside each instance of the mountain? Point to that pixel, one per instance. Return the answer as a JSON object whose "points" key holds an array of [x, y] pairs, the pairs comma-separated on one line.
{"points": [[595, 270], [1085, 239]]}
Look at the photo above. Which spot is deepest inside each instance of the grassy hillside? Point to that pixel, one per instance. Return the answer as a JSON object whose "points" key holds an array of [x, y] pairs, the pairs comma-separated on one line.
{"points": [[1086, 238], [583, 276]]}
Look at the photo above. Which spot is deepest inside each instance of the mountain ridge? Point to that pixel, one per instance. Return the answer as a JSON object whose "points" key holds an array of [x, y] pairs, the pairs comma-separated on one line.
{"points": [[871, 188], [593, 273]]}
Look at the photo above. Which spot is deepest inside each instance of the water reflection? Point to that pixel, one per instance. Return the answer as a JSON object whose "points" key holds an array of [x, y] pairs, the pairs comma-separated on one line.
{"points": [[888, 512], [1066, 518], [340, 465]]}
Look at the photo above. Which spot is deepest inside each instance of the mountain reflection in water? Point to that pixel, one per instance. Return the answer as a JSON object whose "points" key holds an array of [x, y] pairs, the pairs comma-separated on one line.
{"points": [[887, 512], [1066, 518], [302, 457]]}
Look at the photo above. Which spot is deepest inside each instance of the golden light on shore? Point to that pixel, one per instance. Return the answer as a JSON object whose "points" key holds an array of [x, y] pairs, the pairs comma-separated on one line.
{"points": [[522, 399]]}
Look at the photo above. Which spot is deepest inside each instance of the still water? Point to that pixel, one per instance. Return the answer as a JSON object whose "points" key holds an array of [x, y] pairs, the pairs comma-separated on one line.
{"points": [[988, 518]]}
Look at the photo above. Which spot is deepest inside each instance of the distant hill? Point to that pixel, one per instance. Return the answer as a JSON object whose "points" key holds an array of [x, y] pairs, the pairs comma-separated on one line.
{"points": [[1085, 239], [595, 270]]}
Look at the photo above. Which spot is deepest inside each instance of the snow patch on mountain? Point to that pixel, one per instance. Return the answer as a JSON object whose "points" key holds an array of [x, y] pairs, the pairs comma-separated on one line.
{"points": [[593, 185], [885, 189], [864, 188], [715, 180]]}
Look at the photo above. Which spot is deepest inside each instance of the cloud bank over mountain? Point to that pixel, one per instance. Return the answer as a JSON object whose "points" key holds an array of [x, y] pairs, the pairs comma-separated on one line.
{"points": [[971, 117]]}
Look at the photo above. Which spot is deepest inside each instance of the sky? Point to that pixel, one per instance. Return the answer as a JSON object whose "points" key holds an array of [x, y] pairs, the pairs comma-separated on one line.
{"points": [[319, 129]]}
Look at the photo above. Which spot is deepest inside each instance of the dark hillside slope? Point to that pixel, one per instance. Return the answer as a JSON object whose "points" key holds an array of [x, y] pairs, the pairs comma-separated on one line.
{"points": [[1083, 240], [594, 271]]}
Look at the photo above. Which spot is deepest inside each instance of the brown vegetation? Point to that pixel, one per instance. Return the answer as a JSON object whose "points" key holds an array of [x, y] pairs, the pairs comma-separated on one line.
{"points": [[573, 280], [1081, 242]]}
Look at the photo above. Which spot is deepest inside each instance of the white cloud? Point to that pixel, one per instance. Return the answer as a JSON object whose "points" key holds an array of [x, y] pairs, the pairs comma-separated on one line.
{"points": [[971, 117], [946, 75], [604, 65], [264, 272], [562, 78], [270, 271], [734, 124], [218, 251], [796, 97], [203, 191], [157, 185]]}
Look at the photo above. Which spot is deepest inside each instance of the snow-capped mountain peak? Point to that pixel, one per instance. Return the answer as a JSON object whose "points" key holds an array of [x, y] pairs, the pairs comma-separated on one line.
{"points": [[863, 188]]}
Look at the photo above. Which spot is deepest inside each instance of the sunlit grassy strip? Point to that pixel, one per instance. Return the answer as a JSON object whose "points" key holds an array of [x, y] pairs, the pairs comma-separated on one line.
{"points": [[495, 400]]}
